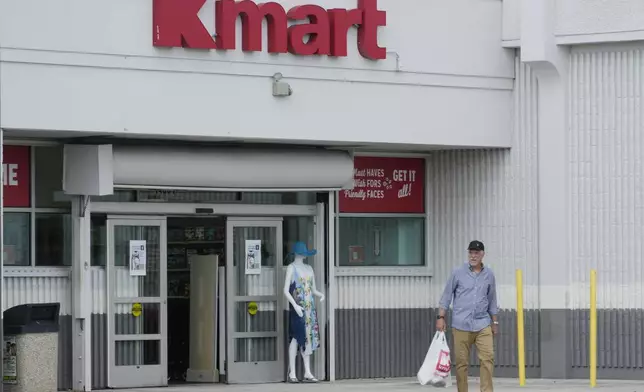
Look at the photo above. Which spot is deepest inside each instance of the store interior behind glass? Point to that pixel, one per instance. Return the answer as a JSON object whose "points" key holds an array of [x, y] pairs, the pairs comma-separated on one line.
{"points": [[186, 237]]}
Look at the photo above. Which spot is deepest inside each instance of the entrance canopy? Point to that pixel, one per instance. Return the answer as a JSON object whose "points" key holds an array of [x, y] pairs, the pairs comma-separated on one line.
{"points": [[96, 170]]}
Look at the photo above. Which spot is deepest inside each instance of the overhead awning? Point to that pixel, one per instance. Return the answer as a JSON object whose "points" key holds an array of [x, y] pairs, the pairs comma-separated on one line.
{"points": [[221, 168]]}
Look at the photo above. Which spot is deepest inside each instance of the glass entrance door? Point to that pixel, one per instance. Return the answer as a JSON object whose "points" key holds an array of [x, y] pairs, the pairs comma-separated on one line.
{"points": [[137, 293], [255, 343]]}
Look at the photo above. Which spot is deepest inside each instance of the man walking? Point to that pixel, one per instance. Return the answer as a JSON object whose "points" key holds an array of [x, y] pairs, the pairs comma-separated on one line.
{"points": [[472, 288]]}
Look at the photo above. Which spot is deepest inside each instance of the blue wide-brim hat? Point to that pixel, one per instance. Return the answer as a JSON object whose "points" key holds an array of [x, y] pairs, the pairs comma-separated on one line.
{"points": [[301, 249]]}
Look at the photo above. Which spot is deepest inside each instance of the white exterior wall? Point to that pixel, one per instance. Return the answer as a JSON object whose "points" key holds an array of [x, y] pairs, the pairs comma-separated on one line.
{"points": [[489, 195], [37, 285], [90, 67], [601, 121], [581, 21], [606, 209], [589, 121]]}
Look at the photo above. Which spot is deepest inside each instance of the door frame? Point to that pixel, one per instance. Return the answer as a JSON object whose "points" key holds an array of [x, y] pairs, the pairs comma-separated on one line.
{"points": [[319, 234], [117, 377], [274, 370]]}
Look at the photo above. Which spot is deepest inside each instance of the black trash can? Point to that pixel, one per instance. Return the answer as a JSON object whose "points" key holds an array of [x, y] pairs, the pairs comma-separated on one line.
{"points": [[30, 351]]}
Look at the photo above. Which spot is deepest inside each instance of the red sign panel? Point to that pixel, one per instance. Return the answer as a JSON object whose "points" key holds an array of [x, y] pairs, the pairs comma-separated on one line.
{"points": [[16, 176], [386, 185]]}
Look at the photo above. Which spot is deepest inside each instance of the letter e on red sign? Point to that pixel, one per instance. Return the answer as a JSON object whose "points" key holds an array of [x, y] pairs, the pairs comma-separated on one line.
{"points": [[16, 178]]}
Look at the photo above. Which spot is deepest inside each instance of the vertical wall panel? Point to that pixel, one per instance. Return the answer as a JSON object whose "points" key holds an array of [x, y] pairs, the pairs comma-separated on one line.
{"points": [[99, 327], [384, 324], [491, 195], [24, 289], [606, 202]]}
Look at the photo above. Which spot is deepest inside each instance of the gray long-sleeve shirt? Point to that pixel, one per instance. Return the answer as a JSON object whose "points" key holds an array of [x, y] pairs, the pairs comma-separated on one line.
{"points": [[474, 298]]}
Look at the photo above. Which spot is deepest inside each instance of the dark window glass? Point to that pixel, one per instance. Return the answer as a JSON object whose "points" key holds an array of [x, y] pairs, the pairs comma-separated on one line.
{"points": [[49, 177], [16, 239], [375, 241], [98, 240], [53, 239]]}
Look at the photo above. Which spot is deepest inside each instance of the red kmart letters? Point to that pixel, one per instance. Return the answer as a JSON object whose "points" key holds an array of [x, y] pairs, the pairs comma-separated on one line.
{"points": [[176, 24]]}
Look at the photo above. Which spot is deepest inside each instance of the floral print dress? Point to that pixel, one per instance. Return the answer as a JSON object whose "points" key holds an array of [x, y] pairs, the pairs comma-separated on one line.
{"points": [[304, 329]]}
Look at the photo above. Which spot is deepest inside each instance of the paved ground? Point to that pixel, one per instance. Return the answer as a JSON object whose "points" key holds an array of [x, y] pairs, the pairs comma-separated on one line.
{"points": [[501, 385]]}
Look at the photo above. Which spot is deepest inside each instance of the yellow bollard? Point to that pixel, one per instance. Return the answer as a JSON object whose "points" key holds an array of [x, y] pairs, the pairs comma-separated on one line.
{"points": [[593, 328], [520, 330]]}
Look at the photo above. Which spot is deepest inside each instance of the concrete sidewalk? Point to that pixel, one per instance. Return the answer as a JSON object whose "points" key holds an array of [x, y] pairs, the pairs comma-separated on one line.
{"points": [[500, 385]]}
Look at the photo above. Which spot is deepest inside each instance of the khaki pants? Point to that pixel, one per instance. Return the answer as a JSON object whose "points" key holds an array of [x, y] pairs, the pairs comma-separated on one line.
{"points": [[484, 341]]}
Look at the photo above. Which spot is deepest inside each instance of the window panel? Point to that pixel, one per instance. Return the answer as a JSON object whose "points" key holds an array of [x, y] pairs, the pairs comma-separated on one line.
{"points": [[48, 162], [381, 241], [53, 240], [16, 238], [297, 228], [98, 240]]}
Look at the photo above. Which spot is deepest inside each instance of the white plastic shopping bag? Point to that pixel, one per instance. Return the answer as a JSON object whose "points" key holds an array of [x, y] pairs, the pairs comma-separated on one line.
{"points": [[436, 368]]}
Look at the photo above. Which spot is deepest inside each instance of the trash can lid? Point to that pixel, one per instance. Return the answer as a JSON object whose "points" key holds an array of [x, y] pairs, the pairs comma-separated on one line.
{"points": [[31, 318]]}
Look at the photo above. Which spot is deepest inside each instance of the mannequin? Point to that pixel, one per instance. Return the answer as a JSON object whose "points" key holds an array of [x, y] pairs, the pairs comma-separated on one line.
{"points": [[299, 289]]}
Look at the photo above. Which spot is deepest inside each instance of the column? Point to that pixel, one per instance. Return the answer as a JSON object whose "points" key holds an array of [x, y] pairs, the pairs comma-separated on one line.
{"points": [[550, 64], [81, 295]]}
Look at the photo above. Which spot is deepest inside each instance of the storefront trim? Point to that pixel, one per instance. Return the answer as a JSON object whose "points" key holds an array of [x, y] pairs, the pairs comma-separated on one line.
{"points": [[383, 271], [189, 209], [390, 154], [211, 189], [511, 43], [603, 37], [30, 142], [37, 272], [370, 215]]}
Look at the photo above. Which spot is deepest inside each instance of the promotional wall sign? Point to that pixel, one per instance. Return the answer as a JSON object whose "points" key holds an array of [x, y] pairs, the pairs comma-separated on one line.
{"points": [[386, 185], [314, 31], [16, 176]]}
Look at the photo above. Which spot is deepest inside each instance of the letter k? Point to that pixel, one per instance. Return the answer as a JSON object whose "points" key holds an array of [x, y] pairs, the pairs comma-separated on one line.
{"points": [[175, 23]]}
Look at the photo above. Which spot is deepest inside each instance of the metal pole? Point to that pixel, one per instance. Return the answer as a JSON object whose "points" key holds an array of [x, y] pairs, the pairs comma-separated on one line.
{"points": [[331, 286], [593, 328], [520, 328]]}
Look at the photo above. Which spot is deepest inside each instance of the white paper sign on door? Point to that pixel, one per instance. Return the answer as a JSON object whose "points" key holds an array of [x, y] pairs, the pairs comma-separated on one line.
{"points": [[253, 257], [138, 257]]}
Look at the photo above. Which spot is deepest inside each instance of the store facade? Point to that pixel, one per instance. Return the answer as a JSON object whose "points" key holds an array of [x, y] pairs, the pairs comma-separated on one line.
{"points": [[180, 127], [165, 142]]}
